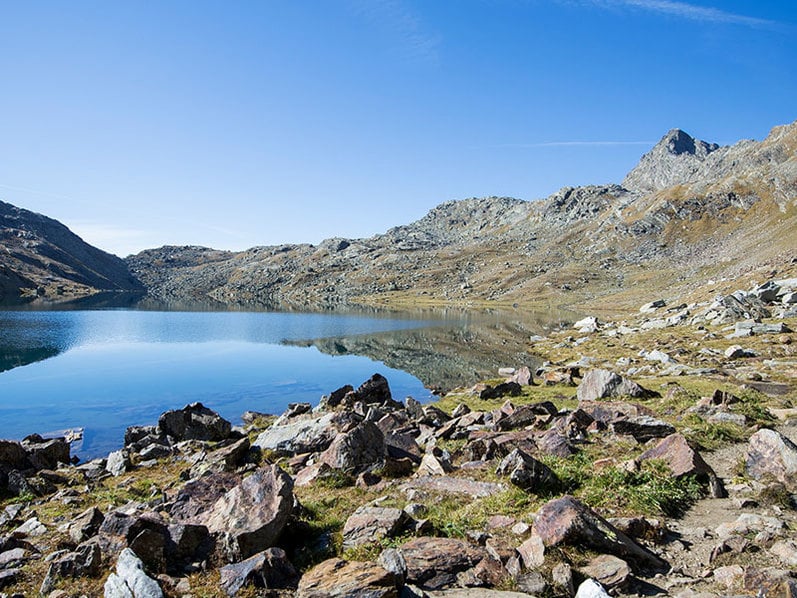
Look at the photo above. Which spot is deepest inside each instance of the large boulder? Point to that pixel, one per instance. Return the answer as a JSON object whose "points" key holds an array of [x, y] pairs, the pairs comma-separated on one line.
{"points": [[357, 449], [772, 455], [194, 422], [198, 496], [336, 578], [602, 384], [250, 517], [567, 521]]}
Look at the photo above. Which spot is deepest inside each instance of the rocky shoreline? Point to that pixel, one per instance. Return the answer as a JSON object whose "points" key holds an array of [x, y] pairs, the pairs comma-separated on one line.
{"points": [[652, 456]]}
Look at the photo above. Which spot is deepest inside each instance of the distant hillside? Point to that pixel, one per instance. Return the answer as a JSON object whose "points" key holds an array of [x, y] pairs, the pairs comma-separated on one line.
{"points": [[43, 258], [689, 210]]}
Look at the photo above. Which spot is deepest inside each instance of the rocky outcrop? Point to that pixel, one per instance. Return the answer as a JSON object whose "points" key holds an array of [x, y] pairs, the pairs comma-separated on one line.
{"points": [[43, 258]]}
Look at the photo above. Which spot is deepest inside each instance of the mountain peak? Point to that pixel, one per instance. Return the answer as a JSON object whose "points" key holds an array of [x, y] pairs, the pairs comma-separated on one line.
{"points": [[672, 161], [678, 142]]}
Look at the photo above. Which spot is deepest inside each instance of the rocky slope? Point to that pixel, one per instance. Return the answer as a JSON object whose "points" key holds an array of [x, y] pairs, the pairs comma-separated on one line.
{"points": [[688, 211], [43, 258]]}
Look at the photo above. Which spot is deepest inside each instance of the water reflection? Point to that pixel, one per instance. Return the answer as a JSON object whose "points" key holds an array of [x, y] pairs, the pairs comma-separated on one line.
{"points": [[464, 348]]}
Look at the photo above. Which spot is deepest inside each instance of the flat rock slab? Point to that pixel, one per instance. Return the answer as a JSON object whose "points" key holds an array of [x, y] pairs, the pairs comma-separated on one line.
{"points": [[370, 524], [434, 563], [453, 485], [336, 578], [601, 384], [307, 435]]}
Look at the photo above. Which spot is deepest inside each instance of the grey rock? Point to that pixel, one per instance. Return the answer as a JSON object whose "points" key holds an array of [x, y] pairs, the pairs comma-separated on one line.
{"points": [[313, 434], [85, 525], [772, 455], [130, 579], [46, 453], [359, 448], [591, 589], [117, 463], [392, 560], [85, 560], [371, 524], [601, 384]]}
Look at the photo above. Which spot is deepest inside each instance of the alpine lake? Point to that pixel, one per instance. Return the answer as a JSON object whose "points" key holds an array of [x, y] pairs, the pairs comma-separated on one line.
{"points": [[99, 368]]}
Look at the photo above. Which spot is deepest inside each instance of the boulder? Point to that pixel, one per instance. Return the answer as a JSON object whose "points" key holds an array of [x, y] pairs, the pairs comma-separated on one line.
{"points": [[117, 462], [683, 460], [435, 563], [371, 524], [13, 456], [357, 449], [336, 578], [374, 390], [435, 462], [46, 453], [304, 435], [522, 376], [85, 560], [526, 415], [527, 473], [591, 589], [642, 428], [334, 398], [86, 525], [511, 388], [194, 422], [130, 580], [601, 384], [269, 569], [197, 497], [567, 521], [772, 455], [251, 516], [187, 543]]}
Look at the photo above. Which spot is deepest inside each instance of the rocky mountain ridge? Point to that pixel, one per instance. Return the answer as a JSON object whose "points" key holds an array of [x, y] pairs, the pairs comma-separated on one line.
{"points": [[689, 209], [42, 257]]}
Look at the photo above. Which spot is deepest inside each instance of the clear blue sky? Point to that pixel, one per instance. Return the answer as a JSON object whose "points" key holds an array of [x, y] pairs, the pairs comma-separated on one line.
{"points": [[233, 124]]}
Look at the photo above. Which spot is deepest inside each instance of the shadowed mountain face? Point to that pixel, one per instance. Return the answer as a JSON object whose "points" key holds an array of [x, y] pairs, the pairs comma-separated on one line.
{"points": [[42, 257], [689, 210]]}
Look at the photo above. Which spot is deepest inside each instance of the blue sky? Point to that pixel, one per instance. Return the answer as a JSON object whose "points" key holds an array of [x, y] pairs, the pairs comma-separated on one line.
{"points": [[233, 124]]}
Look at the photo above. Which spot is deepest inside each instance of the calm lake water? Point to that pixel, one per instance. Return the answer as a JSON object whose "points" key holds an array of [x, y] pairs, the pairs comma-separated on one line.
{"points": [[106, 370]]}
